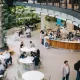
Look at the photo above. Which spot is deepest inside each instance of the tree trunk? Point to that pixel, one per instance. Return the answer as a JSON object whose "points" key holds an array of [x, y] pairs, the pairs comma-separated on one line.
{"points": [[1, 45]]}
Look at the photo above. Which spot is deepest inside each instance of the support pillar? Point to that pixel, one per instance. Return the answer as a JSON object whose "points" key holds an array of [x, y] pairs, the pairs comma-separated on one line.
{"points": [[79, 4], [42, 22], [70, 26]]}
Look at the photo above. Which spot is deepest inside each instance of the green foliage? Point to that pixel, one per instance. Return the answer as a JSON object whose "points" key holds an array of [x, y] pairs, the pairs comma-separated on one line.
{"points": [[18, 15], [9, 18], [25, 15], [50, 19]]}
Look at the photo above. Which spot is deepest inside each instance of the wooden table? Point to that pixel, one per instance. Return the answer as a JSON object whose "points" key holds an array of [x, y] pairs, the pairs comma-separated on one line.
{"points": [[71, 45]]}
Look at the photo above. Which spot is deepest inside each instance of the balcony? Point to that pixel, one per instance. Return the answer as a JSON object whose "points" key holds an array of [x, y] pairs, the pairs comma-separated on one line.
{"points": [[71, 7], [67, 4]]}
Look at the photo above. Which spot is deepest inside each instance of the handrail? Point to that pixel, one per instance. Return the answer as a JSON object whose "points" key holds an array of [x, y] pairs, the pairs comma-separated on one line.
{"points": [[67, 4]]}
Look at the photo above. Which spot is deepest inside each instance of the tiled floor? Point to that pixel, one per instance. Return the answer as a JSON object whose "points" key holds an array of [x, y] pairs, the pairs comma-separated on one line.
{"points": [[52, 58]]}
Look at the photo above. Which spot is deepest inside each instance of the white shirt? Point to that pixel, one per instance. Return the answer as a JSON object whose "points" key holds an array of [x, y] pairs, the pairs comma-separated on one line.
{"points": [[67, 69], [28, 30], [32, 45], [6, 55], [1, 67], [42, 36]]}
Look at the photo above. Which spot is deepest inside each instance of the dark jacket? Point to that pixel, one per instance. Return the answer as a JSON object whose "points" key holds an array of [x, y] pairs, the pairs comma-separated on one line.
{"points": [[36, 61], [22, 56], [77, 65]]}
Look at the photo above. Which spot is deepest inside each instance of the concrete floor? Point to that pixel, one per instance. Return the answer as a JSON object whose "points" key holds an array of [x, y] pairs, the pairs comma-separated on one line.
{"points": [[52, 59]]}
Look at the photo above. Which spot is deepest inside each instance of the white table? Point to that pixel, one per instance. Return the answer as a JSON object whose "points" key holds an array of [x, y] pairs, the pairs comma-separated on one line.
{"points": [[2, 57], [33, 75], [1, 76], [27, 61], [26, 49]]}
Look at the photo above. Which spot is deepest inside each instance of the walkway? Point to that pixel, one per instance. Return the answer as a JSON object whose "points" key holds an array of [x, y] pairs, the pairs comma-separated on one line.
{"points": [[52, 58]]}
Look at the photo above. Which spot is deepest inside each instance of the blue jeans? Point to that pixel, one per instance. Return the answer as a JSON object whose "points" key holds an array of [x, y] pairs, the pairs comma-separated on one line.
{"points": [[8, 60], [42, 41], [1, 72], [78, 75], [47, 45]]}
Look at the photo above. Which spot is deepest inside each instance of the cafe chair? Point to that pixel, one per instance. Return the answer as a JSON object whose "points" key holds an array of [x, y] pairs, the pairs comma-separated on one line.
{"points": [[19, 75], [15, 78], [49, 78], [26, 67], [18, 62], [4, 76], [40, 65]]}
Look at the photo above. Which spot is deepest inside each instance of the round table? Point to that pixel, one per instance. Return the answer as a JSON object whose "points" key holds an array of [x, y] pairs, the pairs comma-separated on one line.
{"points": [[2, 57], [33, 75], [27, 60], [1, 76], [26, 49]]}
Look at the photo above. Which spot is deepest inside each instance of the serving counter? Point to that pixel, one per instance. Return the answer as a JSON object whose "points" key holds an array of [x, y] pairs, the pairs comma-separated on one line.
{"points": [[71, 45]]}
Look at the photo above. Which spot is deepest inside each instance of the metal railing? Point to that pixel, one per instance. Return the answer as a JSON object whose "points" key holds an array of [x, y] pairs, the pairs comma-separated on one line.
{"points": [[67, 4]]}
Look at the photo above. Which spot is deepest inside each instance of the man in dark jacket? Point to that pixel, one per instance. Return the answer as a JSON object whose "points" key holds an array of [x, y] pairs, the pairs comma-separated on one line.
{"points": [[77, 68], [36, 61]]}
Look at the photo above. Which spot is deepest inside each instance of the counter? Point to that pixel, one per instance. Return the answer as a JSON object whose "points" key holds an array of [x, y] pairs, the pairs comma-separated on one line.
{"points": [[71, 45]]}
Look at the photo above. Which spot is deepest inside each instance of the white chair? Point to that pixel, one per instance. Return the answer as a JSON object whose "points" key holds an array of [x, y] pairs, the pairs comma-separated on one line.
{"points": [[4, 76], [49, 78], [19, 75], [15, 78]]}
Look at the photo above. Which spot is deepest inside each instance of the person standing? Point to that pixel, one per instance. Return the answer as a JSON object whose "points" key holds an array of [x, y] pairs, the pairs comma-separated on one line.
{"points": [[42, 37], [36, 61], [77, 68], [65, 70]]}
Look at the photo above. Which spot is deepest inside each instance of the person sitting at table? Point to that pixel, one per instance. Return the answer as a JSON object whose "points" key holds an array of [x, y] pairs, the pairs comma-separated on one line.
{"points": [[28, 32], [2, 69], [22, 44], [50, 36], [32, 54], [36, 61], [54, 36], [20, 32], [31, 44], [8, 58], [38, 53], [23, 55]]}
